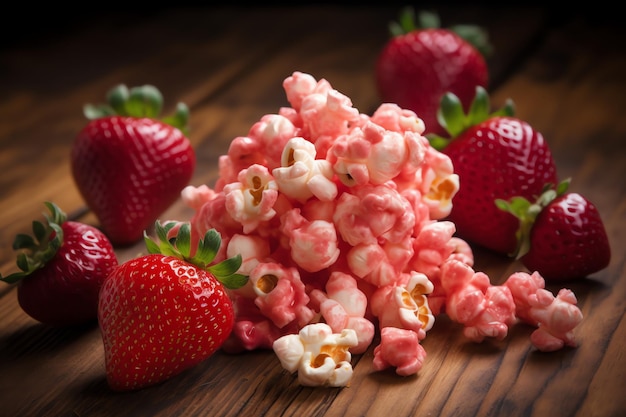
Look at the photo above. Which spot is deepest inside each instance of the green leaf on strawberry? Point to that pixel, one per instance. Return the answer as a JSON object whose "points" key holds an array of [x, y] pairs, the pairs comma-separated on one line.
{"points": [[455, 121], [141, 101], [208, 247], [38, 250], [409, 21], [527, 212]]}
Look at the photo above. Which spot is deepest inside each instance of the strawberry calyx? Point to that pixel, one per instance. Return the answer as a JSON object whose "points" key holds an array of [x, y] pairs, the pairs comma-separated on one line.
{"points": [[408, 21], [455, 121], [180, 247], [39, 248], [142, 101], [526, 212]]}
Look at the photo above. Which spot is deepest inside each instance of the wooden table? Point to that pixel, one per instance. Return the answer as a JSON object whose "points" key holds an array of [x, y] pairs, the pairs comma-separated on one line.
{"points": [[566, 72]]}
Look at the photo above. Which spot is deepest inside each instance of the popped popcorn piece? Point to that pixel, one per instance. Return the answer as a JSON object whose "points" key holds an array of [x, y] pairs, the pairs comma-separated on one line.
{"points": [[522, 286], [301, 176], [436, 180], [252, 329], [273, 131], [380, 265], [343, 306], [313, 244], [373, 214], [319, 356], [281, 295], [557, 318], [400, 349], [393, 117], [242, 152], [300, 85], [327, 113], [432, 246], [486, 310], [195, 197], [251, 199], [406, 306], [374, 155]]}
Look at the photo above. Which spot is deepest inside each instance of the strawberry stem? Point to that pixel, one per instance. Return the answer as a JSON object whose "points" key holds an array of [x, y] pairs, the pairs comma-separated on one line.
{"points": [[526, 212], [455, 121], [38, 249], [409, 21], [142, 101], [202, 257]]}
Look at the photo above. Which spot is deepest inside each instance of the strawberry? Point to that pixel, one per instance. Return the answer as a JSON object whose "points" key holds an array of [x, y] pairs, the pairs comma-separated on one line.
{"points": [[495, 155], [62, 267], [128, 165], [167, 311], [420, 63], [561, 234]]}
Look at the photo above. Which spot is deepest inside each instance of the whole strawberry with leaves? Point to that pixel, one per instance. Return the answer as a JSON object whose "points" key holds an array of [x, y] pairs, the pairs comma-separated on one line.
{"points": [[63, 265], [422, 61], [496, 156], [130, 166], [165, 312], [561, 234]]}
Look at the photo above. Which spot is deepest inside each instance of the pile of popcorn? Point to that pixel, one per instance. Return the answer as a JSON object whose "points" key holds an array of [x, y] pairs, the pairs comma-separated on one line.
{"points": [[340, 220]]}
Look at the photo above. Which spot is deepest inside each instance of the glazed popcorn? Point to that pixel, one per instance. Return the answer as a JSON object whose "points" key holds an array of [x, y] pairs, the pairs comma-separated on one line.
{"points": [[340, 221]]}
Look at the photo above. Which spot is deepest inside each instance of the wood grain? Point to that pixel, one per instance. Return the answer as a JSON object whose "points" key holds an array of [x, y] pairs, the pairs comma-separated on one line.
{"points": [[565, 72]]}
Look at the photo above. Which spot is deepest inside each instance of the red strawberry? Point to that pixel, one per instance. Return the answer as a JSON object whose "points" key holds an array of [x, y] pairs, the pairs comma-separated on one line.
{"points": [[63, 267], [128, 166], [495, 156], [419, 64], [561, 235], [167, 311]]}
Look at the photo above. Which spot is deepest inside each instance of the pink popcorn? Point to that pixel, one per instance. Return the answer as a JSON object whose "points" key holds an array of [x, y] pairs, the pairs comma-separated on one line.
{"points": [[374, 155], [340, 220], [280, 294], [380, 265], [195, 197], [252, 330], [273, 131], [405, 306], [485, 310], [373, 213], [343, 306], [432, 246], [522, 286], [400, 349], [556, 317], [313, 244], [319, 356], [436, 181], [300, 85], [251, 199], [301, 176], [327, 113], [242, 152], [392, 117]]}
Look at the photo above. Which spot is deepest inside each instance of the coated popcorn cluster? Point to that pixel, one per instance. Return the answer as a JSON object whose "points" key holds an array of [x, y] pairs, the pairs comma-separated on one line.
{"points": [[340, 220]]}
